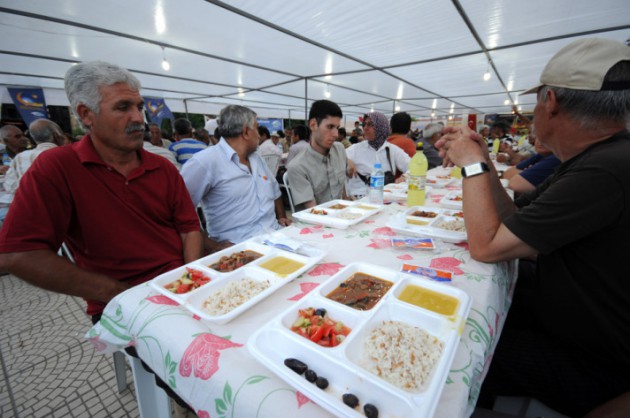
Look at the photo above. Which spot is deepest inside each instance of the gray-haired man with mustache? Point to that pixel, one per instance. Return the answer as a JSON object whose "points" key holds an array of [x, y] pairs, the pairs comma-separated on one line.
{"points": [[124, 213]]}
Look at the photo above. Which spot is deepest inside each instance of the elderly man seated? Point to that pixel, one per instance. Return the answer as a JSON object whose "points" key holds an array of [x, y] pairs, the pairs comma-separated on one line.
{"points": [[239, 194], [565, 341], [528, 174]]}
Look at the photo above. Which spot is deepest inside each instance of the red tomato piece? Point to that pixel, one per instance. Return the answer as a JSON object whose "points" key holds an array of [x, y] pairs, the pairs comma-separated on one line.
{"points": [[317, 333], [183, 288]]}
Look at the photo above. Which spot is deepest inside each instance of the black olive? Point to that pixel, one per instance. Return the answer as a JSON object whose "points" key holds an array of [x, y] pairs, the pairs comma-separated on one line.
{"points": [[310, 375], [295, 365], [344, 284], [320, 312], [370, 411], [350, 400], [321, 382]]}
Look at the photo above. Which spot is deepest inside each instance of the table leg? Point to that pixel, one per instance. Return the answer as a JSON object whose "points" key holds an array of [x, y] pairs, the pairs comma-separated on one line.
{"points": [[153, 402]]}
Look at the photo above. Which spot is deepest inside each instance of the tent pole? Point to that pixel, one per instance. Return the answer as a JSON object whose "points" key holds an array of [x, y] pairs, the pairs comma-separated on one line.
{"points": [[306, 100], [186, 109]]}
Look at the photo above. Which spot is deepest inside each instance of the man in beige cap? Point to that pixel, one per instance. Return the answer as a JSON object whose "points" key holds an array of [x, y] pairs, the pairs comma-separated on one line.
{"points": [[566, 341]]}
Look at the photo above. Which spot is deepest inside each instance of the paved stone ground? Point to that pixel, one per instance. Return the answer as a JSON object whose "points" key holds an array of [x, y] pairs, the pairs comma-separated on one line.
{"points": [[47, 368]]}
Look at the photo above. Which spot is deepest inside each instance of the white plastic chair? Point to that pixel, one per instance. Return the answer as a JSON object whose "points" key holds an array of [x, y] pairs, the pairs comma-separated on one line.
{"points": [[285, 180], [119, 357], [273, 162]]}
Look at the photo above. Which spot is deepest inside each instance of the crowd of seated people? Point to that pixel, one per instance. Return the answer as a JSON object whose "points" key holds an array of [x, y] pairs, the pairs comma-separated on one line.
{"points": [[576, 152]]}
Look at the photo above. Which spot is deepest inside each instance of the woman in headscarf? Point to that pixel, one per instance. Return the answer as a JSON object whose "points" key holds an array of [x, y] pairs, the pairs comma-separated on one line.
{"points": [[375, 149]]}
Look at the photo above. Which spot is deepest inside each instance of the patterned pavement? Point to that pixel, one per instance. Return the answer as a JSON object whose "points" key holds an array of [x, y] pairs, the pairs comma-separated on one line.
{"points": [[47, 368]]}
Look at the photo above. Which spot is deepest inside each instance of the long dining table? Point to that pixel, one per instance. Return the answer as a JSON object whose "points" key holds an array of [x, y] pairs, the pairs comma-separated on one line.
{"points": [[209, 365]]}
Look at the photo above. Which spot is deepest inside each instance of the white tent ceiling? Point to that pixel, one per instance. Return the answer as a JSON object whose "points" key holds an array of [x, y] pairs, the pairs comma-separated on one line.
{"points": [[277, 56]]}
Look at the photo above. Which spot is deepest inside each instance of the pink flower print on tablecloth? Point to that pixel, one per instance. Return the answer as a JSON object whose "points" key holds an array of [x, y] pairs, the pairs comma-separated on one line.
{"points": [[162, 300], [202, 356], [203, 414], [311, 230], [97, 343], [326, 269], [386, 231], [496, 326], [305, 288], [448, 264], [405, 257], [435, 198], [464, 245], [379, 243], [326, 236], [369, 222], [301, 399]]}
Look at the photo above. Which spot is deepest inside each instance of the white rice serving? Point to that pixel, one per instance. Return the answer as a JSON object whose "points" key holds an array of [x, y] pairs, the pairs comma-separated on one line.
{"points": [[454, 225], [233, 295], [402, 354]]}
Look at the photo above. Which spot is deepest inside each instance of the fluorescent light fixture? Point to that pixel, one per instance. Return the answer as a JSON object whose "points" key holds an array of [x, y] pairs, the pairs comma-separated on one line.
{"points": [[159, 20]]}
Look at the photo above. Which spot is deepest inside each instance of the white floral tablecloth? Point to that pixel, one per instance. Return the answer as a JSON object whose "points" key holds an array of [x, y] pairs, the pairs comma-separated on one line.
{"points": [[210, 367]]}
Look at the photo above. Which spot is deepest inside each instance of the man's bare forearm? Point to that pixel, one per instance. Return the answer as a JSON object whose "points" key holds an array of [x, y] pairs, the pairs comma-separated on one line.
{"points": [[193, 246], [46, 269]]}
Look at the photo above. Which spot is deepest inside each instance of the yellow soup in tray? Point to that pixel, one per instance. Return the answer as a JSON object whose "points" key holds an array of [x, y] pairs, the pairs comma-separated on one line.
{"points": [[412, 221], [282, 266], [428, 299], [366, 207]]}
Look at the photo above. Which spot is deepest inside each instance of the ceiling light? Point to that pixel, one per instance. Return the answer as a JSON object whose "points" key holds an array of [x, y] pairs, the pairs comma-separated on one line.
{"points": [[397, 108], [165, 64], [327, 92], [487, 75], [506, 102], [432, 114]]}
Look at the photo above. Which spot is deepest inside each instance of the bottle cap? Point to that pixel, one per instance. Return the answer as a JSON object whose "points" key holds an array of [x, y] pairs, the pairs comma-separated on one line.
{"points": [[419, 146], [377, 165]]}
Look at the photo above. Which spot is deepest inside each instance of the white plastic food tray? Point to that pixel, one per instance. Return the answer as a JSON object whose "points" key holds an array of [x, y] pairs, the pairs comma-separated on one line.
{"points": [[194, 300], [343, 365], [453, 200], [428, 226], [353, 213]]}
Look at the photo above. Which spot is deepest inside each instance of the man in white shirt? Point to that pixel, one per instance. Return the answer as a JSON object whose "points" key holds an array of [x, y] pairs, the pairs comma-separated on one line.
{"points": [[148, 145], [270, 146], [156, 136], [239, 194], [300, 140], [46, 134]]}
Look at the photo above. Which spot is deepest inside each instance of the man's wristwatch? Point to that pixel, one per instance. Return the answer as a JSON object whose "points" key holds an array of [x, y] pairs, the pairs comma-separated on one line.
{"points": [[475, 169]]}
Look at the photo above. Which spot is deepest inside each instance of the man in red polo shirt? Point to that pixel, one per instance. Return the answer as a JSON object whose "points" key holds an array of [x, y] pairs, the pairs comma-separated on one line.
{"points": [[124, 213]]}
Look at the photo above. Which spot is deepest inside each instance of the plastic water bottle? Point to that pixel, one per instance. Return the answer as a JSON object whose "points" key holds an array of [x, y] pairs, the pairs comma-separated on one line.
{"points": [[416, 185], [6, 160], [377, 183]]}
